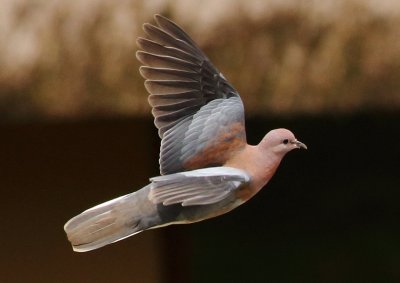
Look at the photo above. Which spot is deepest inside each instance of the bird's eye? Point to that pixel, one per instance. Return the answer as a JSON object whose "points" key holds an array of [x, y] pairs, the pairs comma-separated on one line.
{"points": [[285, 141]]}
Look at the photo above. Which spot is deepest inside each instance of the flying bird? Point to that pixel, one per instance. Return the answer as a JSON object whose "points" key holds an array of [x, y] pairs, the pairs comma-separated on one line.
{"points": [[206, 166]]}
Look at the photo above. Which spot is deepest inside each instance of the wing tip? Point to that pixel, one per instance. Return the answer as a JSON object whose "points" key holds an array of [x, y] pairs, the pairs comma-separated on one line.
{"points": [[160, 18]]}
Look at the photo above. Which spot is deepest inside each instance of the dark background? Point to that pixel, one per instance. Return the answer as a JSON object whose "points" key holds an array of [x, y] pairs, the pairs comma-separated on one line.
{"points": [[330, 214]]}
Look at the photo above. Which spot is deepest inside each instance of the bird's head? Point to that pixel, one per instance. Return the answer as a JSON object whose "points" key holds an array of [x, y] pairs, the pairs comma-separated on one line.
{"points": [[281, 141]]}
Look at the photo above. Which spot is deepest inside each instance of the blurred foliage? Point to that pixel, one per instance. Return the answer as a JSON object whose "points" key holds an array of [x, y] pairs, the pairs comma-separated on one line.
{"points": [[76, 59]]}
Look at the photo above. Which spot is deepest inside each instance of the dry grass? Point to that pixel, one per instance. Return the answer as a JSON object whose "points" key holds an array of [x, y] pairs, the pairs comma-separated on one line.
{"points": [[74, 58]]}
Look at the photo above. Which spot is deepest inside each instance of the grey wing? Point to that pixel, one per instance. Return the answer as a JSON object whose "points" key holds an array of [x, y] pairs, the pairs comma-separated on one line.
{"points": [[192, 103], [197, 187], [179, 77]]}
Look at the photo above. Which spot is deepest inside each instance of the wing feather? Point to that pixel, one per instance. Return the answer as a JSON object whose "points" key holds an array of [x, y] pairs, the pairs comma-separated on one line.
{"points": [[168, 74]]}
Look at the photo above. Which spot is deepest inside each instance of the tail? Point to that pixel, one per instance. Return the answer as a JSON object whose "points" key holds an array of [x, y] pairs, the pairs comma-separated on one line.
{"points": [[108, 222]]}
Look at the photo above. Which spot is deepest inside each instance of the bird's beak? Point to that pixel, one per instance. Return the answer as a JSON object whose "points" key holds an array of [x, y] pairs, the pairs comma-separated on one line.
{"points": [[299, 144]]}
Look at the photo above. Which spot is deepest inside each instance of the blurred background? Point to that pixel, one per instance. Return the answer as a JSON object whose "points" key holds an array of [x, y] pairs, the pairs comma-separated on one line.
{"points": [[76, 130]]}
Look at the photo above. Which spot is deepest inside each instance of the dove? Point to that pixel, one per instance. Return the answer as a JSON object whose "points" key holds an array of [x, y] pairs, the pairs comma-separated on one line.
{"points": [[207, 168]]}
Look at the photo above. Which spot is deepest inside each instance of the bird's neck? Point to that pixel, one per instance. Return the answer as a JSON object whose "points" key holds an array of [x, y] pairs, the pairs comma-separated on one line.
{"points": [[260, 165], [266, 165]]}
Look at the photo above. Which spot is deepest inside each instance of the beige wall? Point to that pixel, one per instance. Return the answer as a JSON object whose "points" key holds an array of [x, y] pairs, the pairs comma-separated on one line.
{"points": [[75, 59]]}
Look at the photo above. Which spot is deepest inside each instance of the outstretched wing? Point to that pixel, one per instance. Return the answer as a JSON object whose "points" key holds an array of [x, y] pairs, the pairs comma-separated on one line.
{"points": [[198, 187], [199, 115]]}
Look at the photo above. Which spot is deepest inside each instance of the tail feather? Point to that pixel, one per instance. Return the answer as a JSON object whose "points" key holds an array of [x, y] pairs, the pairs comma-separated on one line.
{"points": [[105, 223]]}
